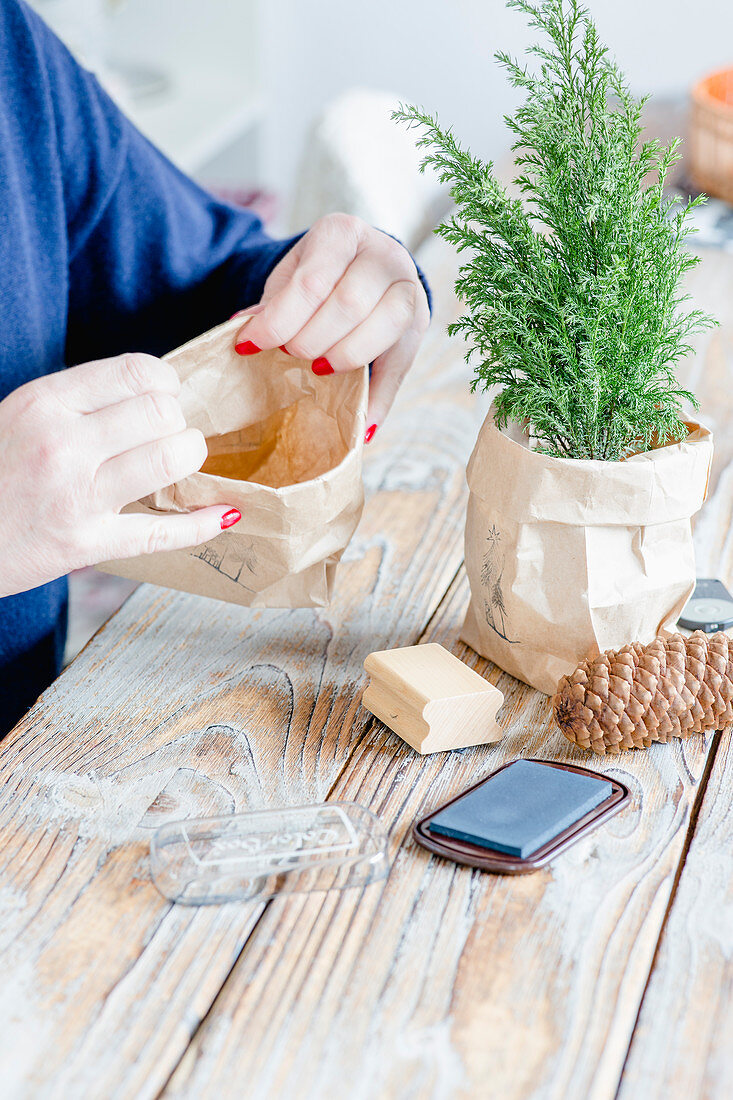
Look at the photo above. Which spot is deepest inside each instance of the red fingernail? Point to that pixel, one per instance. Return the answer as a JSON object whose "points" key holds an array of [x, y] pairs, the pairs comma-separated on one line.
{"points": [[246, 348], [237, 314], [369, 433], [283, 348], [230, 518], [321, 366]]}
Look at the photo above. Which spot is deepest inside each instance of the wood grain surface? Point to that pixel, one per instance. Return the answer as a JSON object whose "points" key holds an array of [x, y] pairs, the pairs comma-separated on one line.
{"points": [[447, 982], [440, 981], [681, 1044]]}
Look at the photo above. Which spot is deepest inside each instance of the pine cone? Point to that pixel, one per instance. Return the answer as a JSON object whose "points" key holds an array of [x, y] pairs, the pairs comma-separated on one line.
{"points": [[631, 697]]}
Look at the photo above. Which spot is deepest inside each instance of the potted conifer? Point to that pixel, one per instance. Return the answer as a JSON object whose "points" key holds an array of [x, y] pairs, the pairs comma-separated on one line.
{"points": [[585, 474]]}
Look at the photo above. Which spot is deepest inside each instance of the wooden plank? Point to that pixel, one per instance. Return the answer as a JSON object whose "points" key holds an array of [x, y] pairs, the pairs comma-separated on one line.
{"points": [[681, 1045], [186, 706], [448, 982]]}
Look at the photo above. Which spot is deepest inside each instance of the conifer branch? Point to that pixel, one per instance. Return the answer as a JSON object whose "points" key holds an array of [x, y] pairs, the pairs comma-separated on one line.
{"points": [[572, 292]]}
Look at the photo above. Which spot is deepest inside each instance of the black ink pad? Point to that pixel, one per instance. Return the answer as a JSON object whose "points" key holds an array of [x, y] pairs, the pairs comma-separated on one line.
{"points": [[521, 815]]}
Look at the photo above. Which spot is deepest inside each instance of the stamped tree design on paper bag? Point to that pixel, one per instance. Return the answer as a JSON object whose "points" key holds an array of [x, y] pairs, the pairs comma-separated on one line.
{"points": [[230, 562], [492, 571]]}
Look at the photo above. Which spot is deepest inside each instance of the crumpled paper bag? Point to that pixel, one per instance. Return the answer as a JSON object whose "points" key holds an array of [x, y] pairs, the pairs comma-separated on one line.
{"points": [[285, 448], [567, 558]]}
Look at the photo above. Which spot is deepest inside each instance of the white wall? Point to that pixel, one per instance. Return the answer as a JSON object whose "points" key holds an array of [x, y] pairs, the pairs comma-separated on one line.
{"points": [[440, 53]]}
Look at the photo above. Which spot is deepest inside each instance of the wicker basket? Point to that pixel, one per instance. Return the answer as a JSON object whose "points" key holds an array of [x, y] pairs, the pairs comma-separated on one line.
{"points": [[711, 135]]}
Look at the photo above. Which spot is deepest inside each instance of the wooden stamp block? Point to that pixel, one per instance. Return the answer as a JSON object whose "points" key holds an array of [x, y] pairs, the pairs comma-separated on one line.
{"points": [[431, 699]]}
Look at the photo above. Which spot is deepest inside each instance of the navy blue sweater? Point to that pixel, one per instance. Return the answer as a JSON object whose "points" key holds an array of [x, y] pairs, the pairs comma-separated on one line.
{"points": [[105, 247]]}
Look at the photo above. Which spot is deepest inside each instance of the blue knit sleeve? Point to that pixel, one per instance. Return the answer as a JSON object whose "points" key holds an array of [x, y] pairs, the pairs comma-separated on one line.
{"points": [[154, 258]]}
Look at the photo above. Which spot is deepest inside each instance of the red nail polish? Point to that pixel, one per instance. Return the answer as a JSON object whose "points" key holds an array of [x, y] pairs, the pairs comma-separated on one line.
{"points": [[369, 433], [321, 365], [230, 518], [283, 348], [246, 348]]}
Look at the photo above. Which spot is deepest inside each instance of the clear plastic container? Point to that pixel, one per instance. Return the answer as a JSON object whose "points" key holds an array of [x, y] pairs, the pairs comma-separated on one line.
{"points": [[257, 855]]}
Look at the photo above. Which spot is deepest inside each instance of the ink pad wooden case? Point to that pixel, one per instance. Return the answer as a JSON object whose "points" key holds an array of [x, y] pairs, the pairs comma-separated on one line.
{"points": [[487, 859]]}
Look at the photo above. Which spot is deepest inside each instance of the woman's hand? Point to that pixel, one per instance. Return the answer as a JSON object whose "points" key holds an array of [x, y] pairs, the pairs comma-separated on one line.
{"points": [[75, 447], [343, 296]]}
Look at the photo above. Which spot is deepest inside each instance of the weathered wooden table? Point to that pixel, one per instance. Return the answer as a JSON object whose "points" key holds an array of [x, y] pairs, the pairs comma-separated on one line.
{"points": [[609, 973]]}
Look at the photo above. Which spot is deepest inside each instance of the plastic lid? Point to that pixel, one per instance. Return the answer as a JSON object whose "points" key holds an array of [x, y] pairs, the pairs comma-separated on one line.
{"points": [[257, 855]]}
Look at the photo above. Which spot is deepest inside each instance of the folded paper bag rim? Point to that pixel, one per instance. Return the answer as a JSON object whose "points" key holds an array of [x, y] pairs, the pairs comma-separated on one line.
{"points": [[285, 549], [656, 486]]}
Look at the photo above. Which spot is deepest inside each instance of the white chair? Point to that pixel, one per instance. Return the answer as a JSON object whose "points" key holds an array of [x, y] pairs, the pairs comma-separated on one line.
{"points": [[357, 160]]}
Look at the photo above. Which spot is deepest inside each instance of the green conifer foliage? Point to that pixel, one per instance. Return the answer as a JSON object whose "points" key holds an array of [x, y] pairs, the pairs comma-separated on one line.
{"points": [[573, 294]]}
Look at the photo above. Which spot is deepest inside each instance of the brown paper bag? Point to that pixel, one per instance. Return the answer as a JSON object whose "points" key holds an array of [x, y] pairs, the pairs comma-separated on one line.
{"points": [[568, 558], [285, 448]]}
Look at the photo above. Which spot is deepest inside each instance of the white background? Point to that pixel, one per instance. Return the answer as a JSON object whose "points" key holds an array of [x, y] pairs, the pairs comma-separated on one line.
{"points": [[267, 67], [440, 54]]}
